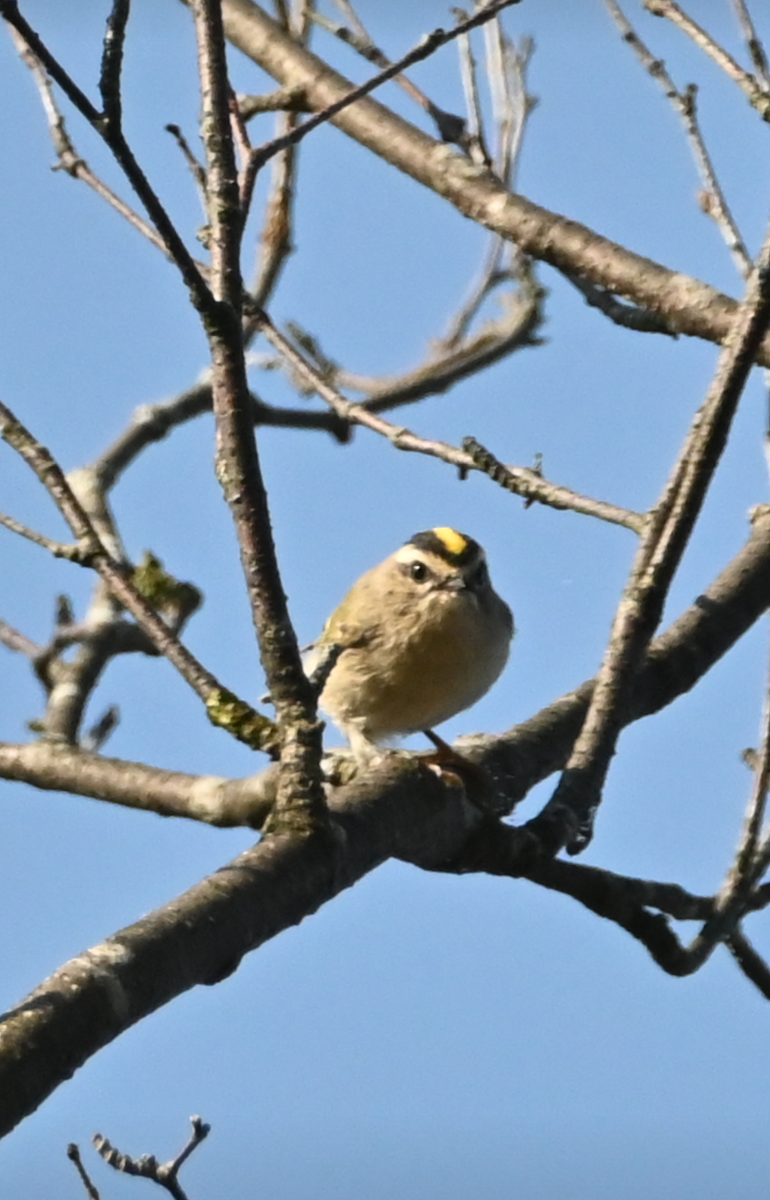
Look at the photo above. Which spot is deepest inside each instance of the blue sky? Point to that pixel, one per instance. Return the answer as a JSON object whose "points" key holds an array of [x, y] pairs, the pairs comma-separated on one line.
{"points": [[421, 1036]]}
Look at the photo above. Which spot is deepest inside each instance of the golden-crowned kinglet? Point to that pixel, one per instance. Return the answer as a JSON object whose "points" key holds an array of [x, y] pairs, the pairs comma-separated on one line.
{"points": [[419, 638]]}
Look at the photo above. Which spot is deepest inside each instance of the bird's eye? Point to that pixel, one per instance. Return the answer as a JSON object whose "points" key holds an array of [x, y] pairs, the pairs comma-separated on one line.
{"points": [[419, 572]]}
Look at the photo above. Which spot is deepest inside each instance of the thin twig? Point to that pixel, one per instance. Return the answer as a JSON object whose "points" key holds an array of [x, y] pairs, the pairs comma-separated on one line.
{"points": [[511, 95], [754, 92], [451, 128], [101, 730], [523, 481], [69, 159], [112, 63], [194, 167], [512, 104], [627, 316], [17, 641], [748, 867], [73, 1154], [491, 275], [567, 818], [148, 1167], [301, 803], [447, 362], [58, 549], [739, 894], [531, 485], [752, 965], [500, 849], [223, 708], [285, 99], [153, 422], [712, 201], [753, 44], [428, 46], [112, 134], [472, 138], [275, 242]]}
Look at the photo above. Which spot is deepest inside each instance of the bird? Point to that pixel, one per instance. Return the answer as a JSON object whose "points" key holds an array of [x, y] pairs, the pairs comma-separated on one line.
{"points": [[417, 639]]}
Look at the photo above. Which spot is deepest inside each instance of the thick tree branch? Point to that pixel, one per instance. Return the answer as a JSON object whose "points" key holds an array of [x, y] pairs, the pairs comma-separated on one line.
{"points": [[516, 760], [225, 803], [687, 305], [427, 47], [399, 810], [201, 936]]}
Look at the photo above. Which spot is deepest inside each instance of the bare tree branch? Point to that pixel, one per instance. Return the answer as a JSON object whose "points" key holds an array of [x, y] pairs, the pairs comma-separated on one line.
{"points": [[753, 44], [687, 305], [153, 422], [73, 1154], [516, 761], [223, 708], [627, 316], [428, 46], [451, 128], [69, 159], [713, 201], [524, 482], [57, 549], [300, 802], [19, 642], [752, 90], [402, 810], [571, 809], [753, 967], [109, 128], [148, 1167], [223, 803]]}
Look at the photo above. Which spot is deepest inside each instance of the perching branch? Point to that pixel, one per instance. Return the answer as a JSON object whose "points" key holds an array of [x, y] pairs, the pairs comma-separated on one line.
{"points": [[401, 809], [516, 761]]}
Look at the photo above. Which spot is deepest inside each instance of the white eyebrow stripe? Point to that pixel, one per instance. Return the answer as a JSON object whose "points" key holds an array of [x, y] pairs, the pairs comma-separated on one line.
{"points": [[408, 554]]}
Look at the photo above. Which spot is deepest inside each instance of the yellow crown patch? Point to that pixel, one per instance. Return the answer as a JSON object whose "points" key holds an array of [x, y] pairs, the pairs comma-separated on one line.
{"points": [[455, 543]]}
